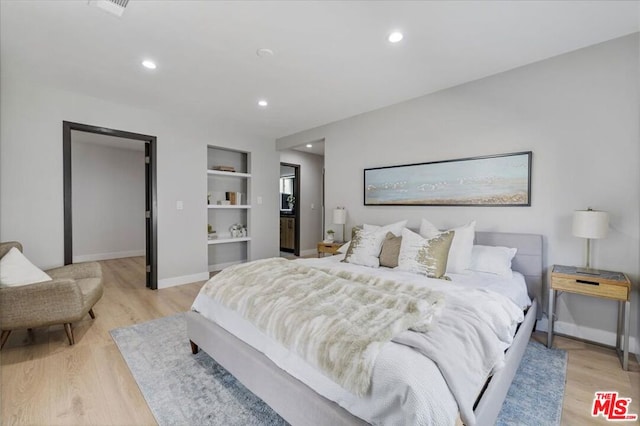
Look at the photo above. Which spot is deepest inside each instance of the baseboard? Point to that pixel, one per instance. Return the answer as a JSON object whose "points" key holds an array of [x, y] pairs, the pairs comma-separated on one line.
{"points": [[107, 256], [221, 266], [305, 253], [587, 333], [185, 279]]}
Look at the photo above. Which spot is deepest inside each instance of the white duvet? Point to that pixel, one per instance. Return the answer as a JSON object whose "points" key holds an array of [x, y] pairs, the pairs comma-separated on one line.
{"points": [[419, 378]]}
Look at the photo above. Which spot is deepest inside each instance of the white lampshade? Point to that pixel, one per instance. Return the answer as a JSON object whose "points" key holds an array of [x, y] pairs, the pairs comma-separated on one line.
{"points": [[339, 216], [590, 223]]}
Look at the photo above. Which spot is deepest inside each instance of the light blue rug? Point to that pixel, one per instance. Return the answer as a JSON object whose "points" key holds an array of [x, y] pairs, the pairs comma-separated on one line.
{"points": [[181, 388], [537, 391]]}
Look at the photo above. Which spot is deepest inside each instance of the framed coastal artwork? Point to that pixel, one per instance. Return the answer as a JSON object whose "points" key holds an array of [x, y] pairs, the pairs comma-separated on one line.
{"points": [[494, 180]]}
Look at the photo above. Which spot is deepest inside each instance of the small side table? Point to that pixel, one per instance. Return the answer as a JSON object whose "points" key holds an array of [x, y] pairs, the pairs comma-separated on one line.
{"points": [[328, 248], [608, 285]]}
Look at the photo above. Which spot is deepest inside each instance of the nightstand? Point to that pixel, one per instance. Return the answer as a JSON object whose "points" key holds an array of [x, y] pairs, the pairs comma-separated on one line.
{"points": [[328, 248], [608, 285]]}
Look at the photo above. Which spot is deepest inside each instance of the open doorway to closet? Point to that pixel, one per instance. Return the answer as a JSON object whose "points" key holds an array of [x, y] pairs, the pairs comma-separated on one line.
{"points": [[110, 207], [290, 208], [309, 198]]}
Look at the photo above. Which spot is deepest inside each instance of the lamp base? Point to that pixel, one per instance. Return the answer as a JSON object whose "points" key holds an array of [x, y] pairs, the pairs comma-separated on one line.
{"points": [[588, 271]]}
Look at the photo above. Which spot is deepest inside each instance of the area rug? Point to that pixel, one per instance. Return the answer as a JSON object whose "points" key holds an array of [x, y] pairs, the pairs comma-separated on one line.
{"points": [[537, 391], [181, 388]]}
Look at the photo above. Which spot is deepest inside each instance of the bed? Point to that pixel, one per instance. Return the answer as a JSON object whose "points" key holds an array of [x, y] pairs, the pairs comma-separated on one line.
{"points": [[299, 404]]}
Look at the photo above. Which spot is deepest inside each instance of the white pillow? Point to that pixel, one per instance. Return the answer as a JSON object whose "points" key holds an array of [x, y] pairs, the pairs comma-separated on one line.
{"points": [[395, 228], [343, 248], [427, 256], [365, 248], [460, 252], [16, 270], [493, 260], [427, 229]]}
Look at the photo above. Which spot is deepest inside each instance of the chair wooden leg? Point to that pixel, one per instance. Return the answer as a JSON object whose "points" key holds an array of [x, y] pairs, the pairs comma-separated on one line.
{"points": [[67, 328], [194, 347], [91, 314], [4, 337]]}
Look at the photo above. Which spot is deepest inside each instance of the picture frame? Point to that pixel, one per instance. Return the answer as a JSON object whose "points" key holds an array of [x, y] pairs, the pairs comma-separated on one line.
{"points": [[502, 180]]}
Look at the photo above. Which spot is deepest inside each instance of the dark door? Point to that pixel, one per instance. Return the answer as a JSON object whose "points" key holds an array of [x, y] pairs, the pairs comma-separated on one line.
{"points": [[147, 212]]}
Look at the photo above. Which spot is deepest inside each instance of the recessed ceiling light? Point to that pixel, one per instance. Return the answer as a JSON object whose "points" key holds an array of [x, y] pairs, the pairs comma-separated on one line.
{"points": [[309, 145], [262, 52], [395, 37], [263, 103], [149, 64]]}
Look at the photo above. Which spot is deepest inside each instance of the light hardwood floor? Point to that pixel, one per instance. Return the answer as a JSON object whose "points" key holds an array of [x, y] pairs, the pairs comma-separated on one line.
{"points": [[44, 381]]}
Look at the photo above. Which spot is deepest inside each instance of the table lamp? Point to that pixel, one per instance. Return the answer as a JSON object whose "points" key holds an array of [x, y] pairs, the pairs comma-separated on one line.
{"points": [[590, 224], [340, 218]]}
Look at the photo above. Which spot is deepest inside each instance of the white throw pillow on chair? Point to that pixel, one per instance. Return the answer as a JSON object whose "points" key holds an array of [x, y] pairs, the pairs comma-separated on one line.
{"points": [[16, 270]]}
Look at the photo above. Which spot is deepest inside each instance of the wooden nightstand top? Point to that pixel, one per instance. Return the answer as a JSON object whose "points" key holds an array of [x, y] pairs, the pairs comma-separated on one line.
{"points": [[331, 244], [609, 284], [604, 275], [328, 248]]}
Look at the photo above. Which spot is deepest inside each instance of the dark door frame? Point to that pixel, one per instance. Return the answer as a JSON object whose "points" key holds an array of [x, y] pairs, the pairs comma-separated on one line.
{"points": [[296, 208], [151, 228]]}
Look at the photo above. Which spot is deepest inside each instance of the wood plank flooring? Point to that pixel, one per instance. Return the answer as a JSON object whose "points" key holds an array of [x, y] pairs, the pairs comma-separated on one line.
{"points": [[44, 381]]}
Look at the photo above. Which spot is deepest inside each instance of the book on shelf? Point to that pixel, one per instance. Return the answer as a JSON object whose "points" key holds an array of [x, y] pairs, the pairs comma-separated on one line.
{"points": [[224, 168], [234, 198]]}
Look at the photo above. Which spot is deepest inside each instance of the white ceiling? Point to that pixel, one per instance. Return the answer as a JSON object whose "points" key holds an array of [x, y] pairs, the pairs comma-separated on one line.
{"points": [[316, 148], [331, 61]]}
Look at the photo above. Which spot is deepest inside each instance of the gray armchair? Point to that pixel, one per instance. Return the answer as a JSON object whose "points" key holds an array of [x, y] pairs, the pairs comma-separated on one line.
{"points": [[69, 297]]}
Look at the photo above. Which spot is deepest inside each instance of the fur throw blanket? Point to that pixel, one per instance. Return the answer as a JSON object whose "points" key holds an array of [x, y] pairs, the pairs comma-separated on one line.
{"points": [[336, 322]]}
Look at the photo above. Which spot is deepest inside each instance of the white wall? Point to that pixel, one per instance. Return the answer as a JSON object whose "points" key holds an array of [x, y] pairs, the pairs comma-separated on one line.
{"points": [[310, 198], [31, 202], [578, 113], [108, 197]]}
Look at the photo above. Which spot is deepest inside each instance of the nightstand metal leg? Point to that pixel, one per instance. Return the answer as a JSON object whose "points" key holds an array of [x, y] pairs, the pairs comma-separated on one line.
{"points": [[627, 323], [620, 329], [622, 336], [550, 314]]}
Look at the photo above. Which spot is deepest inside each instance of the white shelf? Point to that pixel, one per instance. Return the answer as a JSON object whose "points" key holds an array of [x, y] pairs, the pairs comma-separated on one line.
{"points": [[236, 206], [232, 174], [228, 240], [221, 185]]}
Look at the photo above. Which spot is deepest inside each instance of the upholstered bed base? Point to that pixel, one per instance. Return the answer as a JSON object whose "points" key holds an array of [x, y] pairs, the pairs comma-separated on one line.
{"points": [[300, 405], [488, 407], [293, 400]]}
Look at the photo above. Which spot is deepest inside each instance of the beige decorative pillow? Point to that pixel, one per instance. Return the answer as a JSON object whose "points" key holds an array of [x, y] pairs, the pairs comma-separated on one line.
{"points": [[460, 251], [390, 250], [425, 256], [365, 248]]}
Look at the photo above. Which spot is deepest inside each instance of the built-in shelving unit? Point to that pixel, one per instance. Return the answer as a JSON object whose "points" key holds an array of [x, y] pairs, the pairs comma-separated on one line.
{"points": [[225, 250]]}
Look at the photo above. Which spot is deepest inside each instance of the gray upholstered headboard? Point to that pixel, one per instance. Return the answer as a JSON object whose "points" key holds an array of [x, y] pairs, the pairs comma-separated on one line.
{"points": [[528, 259]]}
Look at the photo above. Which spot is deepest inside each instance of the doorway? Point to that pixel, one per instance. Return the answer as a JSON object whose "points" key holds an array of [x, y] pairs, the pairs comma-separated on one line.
{"points": [[290, 208], [150, 213]]}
